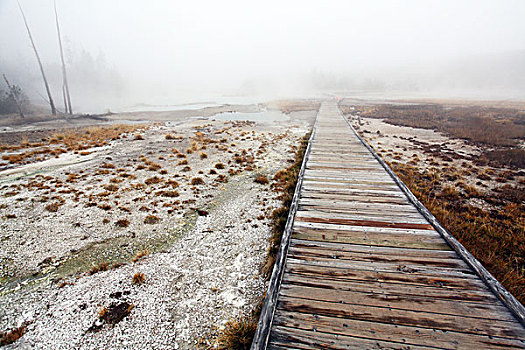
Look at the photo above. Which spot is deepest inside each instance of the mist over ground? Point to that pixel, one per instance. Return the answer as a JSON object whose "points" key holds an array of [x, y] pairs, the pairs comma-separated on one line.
{"points": [[122, 53]]}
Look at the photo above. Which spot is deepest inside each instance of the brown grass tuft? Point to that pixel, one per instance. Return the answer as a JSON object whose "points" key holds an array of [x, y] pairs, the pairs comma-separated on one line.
{"points": [[151, 219], [197, 181], [138, 278], [122, 223], [103, 266], [261, 179], [237, 334], [9, 337], [140, 255]]}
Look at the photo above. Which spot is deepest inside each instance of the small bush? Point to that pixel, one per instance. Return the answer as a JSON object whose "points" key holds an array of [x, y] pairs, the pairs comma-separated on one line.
{"points": [[103, 266], [219, 166], [151, 219], [9, 337], [122, 223], [138, 278], [197, 181], [203, 155], [53, 207], [237, 334], [140, 255], [261, 179]]}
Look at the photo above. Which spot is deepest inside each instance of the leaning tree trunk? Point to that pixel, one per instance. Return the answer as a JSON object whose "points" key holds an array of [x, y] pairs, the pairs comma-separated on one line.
{"points": [[65, 87], [12, 94], [53, 109]]}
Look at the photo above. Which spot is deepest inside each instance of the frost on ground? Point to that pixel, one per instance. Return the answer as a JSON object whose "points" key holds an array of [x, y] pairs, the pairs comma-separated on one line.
{"points": [[184, 195]]}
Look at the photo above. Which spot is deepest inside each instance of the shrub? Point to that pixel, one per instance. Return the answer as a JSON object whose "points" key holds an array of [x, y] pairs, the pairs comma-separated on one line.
{"points": [[138, 278], [151, 219], [261, 179], [140, 255], [103, 266], [9, 337], [197, 181], [122, 223], [237, 334]]}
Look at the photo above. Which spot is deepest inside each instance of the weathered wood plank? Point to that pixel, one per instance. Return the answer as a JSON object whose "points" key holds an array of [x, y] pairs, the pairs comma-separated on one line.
{"points": [[368, 274], [380, 266], [309, 211], [372, 238], [342, 228], [376, 256], [283, 336], [367, 223], [429, 313], [394, 333], [385, 288]]}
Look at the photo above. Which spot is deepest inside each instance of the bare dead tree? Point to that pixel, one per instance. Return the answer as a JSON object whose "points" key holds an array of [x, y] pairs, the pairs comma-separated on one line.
{"points": [[65, 87], [53, 109], [13, 95]]}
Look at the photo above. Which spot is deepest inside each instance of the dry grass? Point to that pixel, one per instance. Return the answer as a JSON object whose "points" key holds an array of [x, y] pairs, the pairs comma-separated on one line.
{"points": [[197, 181], [103, 266], [285, 183], [138, 278], [140, 255], [237, 334], [122, 223], [261, 179], [11, 336], [495, 237], [490, 126]]}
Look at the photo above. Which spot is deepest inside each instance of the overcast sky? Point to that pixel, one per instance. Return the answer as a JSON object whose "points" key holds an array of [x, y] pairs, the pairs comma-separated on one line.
{"points": [[225, 43]]}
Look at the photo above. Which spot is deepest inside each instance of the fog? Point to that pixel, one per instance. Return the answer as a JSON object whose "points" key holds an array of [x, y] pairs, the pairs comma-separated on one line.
{"points": [[120, 53]]}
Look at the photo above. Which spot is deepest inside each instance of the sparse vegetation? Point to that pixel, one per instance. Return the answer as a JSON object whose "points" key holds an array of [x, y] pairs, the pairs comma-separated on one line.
{"points": [[138, 278], [495, 237], [103, 266], [122, 223], [11, 336], [140, 255], [285, 183], [197, 181], [261, 179], [237, 334]]}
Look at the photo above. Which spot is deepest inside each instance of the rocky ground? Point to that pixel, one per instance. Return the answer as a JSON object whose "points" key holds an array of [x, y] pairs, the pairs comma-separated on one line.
{"points": [[153, 240]]}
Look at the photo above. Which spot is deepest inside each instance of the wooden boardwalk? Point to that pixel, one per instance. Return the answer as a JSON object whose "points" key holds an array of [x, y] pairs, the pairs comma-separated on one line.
{"points": [[363, 268]]}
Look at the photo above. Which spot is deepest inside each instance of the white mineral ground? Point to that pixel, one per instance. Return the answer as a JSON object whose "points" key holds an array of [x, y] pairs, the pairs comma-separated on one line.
{"points": [[201, 270]]}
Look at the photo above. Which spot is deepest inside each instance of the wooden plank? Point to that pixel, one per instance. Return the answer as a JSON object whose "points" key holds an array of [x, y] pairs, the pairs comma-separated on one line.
{"points": [[308, 211], [363, 249], [377, 256], [380, 266], [284, 336], [430, 313], [343, 228], [373, 238], [355, 191], [394, 333], [367, 223], [385, 288], [363, 198], [368, 274]]}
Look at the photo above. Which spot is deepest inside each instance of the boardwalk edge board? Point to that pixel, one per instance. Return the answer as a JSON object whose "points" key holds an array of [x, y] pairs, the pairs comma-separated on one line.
{"points": [[264, 325], [517, 309]]}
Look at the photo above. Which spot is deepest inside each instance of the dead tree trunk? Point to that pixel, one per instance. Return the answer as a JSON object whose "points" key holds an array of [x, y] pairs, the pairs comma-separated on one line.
{"points": [[65, 87], [53, 109], [13, 95]]}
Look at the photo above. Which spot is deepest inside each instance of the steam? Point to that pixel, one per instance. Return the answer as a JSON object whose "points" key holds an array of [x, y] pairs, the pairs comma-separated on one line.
{"points": [[169, 52]]}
